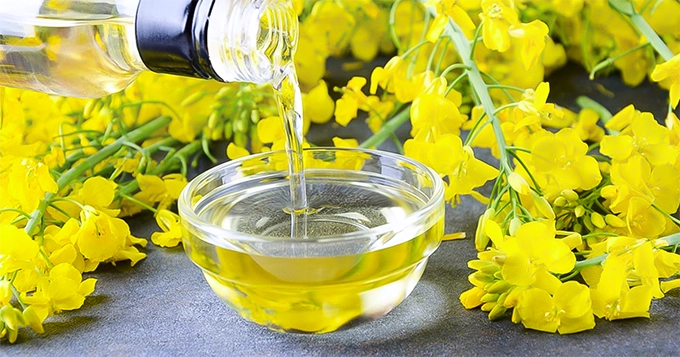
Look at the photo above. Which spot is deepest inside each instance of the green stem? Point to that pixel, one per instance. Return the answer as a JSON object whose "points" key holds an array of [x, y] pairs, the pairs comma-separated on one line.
{"points": [[651, 36], [671, 240], [610, 61], [139, 203], [165, 165], [666, 214], [75, 172], [475, 77], [387, 129]]}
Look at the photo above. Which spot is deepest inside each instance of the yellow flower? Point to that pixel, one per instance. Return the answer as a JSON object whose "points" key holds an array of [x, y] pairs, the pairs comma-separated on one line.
{"points": [[432, 112], [532, 36], [669, 71], [646, 137], [378, 112], [331, 25], [345, 143], [17, 249], [586, 126], [568, 8], [28, 181], [448, 9], [563, 157], [172, 231], [496, 21], [395, 78], [317, 105], [538, 111], [568, 311], [63, 289], [163, 191], [446, 155], [368, 34], [235, 152], [532, 252], [613, 298], [352, 99], [644, 221], [100, 236]]}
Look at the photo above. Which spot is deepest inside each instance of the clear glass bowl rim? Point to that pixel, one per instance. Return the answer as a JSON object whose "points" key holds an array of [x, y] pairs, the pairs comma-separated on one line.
{"points": [[186, 212]]}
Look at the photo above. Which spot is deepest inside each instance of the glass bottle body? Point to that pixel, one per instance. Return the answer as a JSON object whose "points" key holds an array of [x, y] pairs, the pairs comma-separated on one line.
{"points": [[75, 48], [91, 48]]}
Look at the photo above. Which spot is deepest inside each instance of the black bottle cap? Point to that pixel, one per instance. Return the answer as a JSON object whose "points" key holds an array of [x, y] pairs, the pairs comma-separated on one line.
{"points": [[172, 36]]}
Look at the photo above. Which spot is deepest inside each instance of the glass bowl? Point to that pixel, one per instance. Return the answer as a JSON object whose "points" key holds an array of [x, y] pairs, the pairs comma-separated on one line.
{"points": [[374, 218]]}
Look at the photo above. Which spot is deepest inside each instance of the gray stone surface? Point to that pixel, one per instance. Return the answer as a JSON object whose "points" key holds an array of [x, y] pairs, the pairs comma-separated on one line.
{"points": [[163, 307]]}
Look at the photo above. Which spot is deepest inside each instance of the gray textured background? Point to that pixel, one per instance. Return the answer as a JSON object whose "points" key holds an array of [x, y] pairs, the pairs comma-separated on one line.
{"points": [[163, 307]]}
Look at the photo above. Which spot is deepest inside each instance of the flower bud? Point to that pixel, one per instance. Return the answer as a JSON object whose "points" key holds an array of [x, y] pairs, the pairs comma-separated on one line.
{"points": [[192, 99], [499, 286], [490, 298], [497, 311], [479, 279], [544, 207], [579, 211], [33, 320], [588, 223], [560, 201], [570, 195], [488, 306], [597, 220], [515, 223], [614, 221], [518, 183]]}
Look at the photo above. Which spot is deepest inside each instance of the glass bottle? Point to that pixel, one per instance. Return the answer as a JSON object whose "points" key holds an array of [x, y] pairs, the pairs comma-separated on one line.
{"points": [[91, 48]]}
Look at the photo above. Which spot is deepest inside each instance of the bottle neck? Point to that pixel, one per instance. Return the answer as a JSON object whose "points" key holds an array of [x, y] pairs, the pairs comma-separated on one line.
{"points": [[228, 40], [172, 36]]}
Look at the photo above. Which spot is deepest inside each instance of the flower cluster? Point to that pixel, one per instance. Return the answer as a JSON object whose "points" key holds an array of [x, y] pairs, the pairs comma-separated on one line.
{"points": [[580, 195], [579, 223], [72, 169]]}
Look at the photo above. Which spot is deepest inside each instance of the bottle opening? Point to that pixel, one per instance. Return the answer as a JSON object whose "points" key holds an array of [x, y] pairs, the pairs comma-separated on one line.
{"points": [[252, 41]]}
